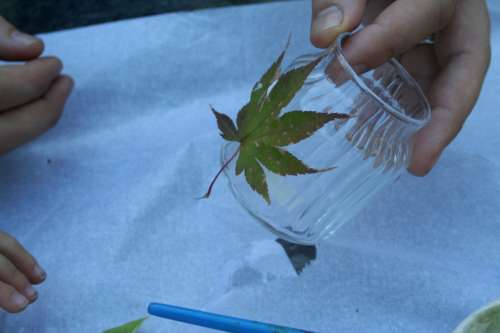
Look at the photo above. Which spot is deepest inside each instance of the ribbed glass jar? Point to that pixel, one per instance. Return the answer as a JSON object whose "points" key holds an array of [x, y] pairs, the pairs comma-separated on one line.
{"points": [[369, 150]]}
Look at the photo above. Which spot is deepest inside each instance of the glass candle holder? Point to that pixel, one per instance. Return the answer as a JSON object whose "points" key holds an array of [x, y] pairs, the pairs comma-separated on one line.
{"points": [[369, 150]]}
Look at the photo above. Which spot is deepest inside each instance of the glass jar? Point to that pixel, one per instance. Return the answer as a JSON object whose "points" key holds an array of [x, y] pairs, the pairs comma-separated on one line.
{"points": [[369, 150]]}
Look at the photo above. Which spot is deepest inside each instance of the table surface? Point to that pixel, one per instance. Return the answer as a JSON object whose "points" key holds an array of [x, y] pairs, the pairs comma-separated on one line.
{"points": [[105, 200]]}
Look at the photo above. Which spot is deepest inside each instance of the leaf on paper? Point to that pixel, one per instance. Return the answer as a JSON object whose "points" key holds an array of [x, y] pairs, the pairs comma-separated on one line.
{"points": [[130, 327], [262, 132]]}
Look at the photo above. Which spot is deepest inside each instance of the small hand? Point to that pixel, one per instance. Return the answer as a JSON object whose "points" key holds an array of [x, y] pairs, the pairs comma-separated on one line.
{"points": [[33, 94], [451, 72], [18, 271]]}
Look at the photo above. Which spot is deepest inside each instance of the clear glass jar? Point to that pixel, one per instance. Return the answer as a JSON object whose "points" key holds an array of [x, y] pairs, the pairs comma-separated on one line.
{"points": [[369, 150]]}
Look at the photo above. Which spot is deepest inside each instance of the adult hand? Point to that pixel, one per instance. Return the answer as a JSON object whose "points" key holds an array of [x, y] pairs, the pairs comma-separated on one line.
{"points": [[451, 71], [32, 94]]}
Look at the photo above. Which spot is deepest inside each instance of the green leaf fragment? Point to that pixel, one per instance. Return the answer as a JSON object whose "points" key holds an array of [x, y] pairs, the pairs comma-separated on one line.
{"points": [[259, 91], [256, 178], [288, 85], [282, 93], [245, 157], [226, 126], [130, 327], [295, 126], [281, 162]]}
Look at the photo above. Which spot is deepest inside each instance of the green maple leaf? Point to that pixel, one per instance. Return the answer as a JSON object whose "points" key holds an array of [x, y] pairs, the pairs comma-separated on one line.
{"points": [[262, 132], [130, 327]]}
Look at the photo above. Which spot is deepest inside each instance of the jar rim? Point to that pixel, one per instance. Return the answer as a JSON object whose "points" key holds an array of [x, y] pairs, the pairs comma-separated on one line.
{"points": [[394, 111]]}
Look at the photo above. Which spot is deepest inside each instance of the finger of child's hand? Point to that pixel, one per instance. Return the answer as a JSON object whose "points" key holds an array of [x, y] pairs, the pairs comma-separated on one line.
{"points": [[399, 27], [16, 45], [21, 84], [332, 17], [23, 124], [18, 270], [10, 299], [12, 276], [463, 51], [17, 255]]}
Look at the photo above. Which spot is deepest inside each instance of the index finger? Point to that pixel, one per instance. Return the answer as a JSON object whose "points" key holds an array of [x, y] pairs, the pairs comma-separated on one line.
{"points": [[399, 27]]}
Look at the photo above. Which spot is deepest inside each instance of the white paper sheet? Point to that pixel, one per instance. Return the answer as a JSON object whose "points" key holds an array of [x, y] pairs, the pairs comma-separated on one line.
{"points": [[105, 200]]}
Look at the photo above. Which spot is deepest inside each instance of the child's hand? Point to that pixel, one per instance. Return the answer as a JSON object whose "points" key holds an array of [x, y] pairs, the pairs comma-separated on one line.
{"points": [[32, 95], [18, 271], [451, 71]]}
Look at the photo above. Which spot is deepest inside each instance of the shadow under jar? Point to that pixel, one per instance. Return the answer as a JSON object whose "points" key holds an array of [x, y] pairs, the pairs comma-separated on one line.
{"points": [[369, 150]]}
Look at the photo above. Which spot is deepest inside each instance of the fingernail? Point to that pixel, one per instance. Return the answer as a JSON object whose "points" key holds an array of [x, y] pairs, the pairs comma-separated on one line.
{"points": [[19, 300], [23, 38], [38, 271], [30, 292], [328, 18]]}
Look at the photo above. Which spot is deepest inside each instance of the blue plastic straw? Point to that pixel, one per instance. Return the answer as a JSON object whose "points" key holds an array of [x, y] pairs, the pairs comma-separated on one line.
{"points": [[216, 321]]}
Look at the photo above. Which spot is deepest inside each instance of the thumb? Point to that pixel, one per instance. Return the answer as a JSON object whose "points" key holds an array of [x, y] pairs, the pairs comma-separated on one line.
{"points": [[332, 17], [16, 45]]}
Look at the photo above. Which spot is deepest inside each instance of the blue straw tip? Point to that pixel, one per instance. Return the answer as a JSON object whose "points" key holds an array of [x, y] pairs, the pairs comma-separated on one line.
{"points": [[151, 307]]}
